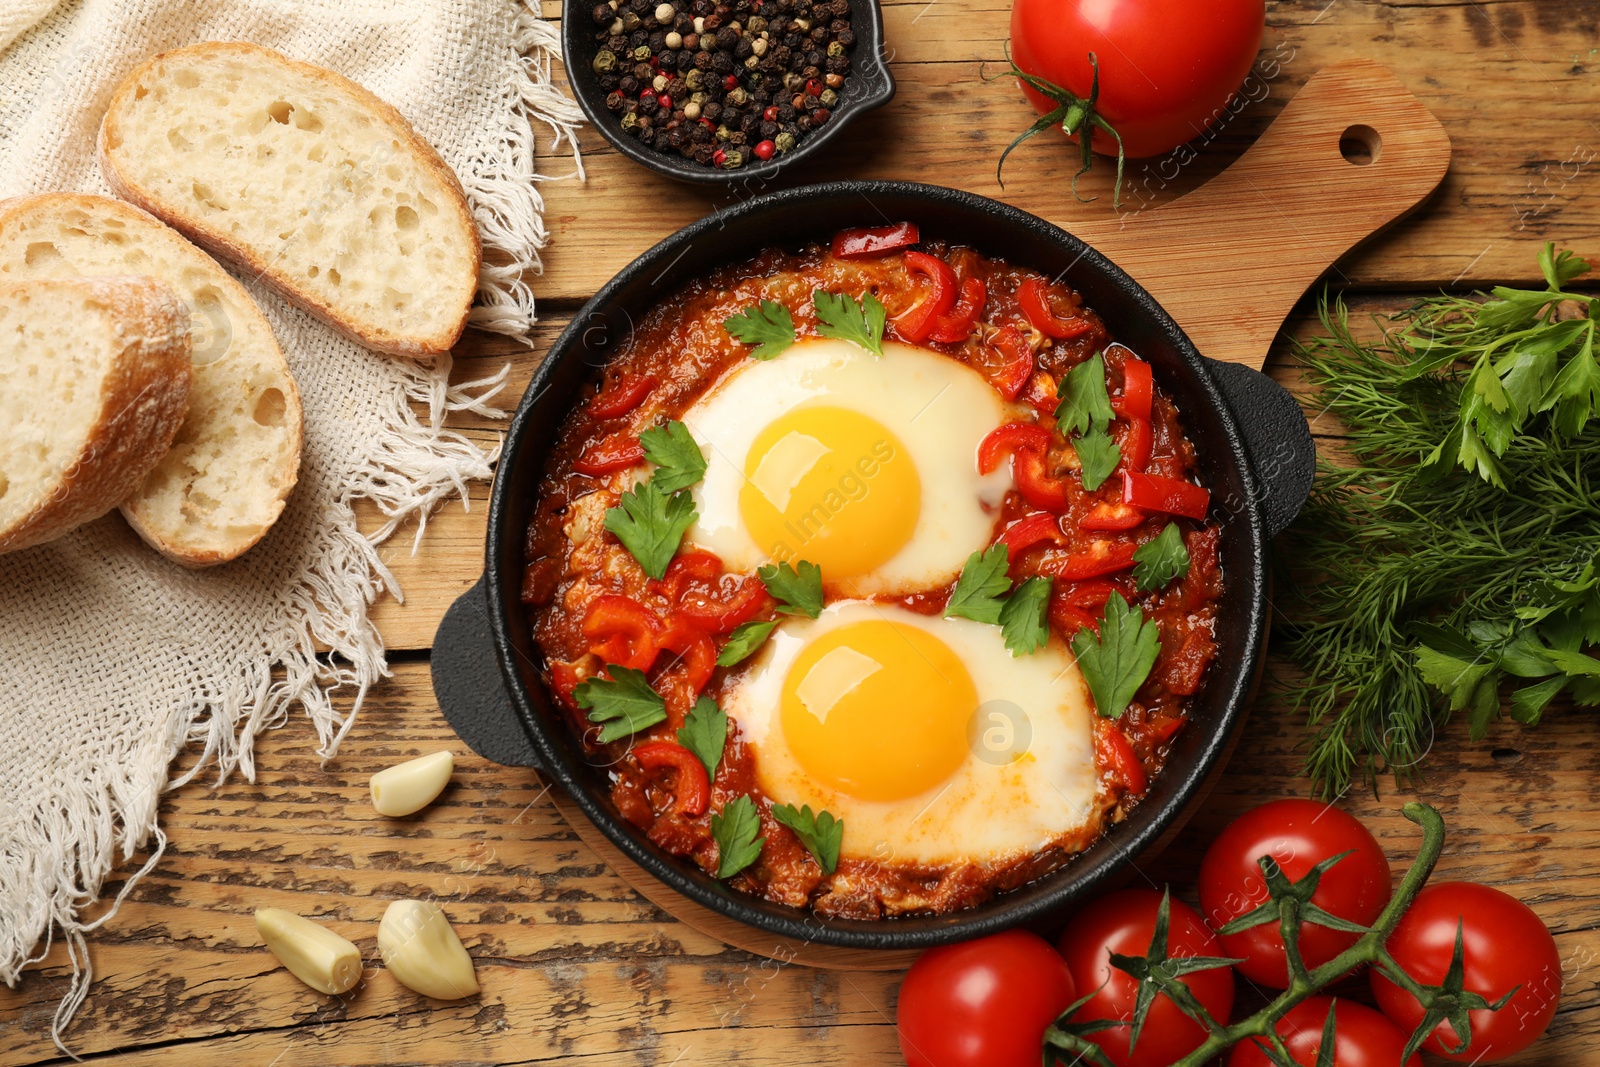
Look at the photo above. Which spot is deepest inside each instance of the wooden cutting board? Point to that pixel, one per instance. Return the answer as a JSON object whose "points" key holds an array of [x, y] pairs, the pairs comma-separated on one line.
{"points": [[1351, 154]]}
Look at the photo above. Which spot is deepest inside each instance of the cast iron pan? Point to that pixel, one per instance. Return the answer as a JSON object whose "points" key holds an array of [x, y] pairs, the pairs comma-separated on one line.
{"points": [[869, 85], [1255, 452]]}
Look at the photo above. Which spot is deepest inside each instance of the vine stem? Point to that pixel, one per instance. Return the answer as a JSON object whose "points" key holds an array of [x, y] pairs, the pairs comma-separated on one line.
{"points": [[1368, 949]]}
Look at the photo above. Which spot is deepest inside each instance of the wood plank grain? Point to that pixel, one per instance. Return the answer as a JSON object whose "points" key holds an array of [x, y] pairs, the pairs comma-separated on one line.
{"points": [[1512, 81], [577, 968]]}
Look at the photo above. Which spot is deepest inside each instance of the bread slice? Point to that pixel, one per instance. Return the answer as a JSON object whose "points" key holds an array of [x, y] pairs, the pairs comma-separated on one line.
{"points": [[302, 177], [230, 469], [94, 383]]}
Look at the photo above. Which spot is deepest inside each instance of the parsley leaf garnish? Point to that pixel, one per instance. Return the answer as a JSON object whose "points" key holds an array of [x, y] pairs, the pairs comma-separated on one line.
{"points": [[620, 705], [704, 732], [799, 592], [980, 591], [1159, 561], [768, 326], [1116, 663], [820, 833], [1098, 456], [650, 524], [849, 320], [1022, 617], [679, 461], [1085, 405], [734, 828], [745, 639]]}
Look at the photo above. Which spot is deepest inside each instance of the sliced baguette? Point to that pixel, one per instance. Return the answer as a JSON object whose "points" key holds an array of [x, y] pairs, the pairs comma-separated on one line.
{"points": [[304, 178], [231, 467], [94, 383]]}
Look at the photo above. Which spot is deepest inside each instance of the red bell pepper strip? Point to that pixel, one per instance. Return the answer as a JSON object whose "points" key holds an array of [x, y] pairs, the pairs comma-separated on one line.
{"points": [[1199, 582], [622, 395], [1027, 532], [693, 789], [564, 678], [623, 631], [1114, 754], [617, 452], [1009, 439], [868, 242], [916, 324], [1035, 304], [694, 564], [1035, 482], [695, 654], [722, 614], [1018, 366], [1163, 730], [1078, 606], [1111, 517], [1171, 495], [1183, 669], [1093, 560], [1137, 441], [1138, 387], [955, 327]]}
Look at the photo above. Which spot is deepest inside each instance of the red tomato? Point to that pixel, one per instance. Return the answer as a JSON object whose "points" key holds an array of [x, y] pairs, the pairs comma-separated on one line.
{"points": [[1298, 834], [1167, 67], [1123, 923], [1361, 1037], [1505, 944], [982, 1003]]}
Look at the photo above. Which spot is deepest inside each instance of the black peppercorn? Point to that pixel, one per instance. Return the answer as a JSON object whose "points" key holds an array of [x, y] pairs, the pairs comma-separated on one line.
{"points": [[711, 111], [722, 63], [609, 82], [727, 38], [743, 49], [769, 130], [839, 65], [617, 42], [668, 60], [786, 113], [846, 37], [614, 101], [702, 134], [702, 61], [840, 9], [639, 7], [802, 124], [602, 14]]}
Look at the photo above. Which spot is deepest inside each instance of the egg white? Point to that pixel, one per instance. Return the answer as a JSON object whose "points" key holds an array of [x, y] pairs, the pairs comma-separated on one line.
{"points": [[939, 409], [1029, 778]]}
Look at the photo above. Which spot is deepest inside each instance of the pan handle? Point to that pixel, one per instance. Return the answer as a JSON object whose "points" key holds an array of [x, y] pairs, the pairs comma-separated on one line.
{"points": [[470, 688], [1277, 439]]}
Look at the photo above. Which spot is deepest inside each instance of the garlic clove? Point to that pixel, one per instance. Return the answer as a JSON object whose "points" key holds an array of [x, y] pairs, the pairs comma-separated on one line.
{"points": [[411, 786], [314, 954], [422, 951]]}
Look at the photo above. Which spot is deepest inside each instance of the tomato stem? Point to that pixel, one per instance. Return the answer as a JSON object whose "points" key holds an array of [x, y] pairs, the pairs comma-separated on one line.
{"points": [[1294, 910], [1076, 115]]}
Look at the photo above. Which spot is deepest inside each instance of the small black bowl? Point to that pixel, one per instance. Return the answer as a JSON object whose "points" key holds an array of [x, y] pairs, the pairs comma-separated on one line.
{"points": [[868, 85], [1251, 441]]}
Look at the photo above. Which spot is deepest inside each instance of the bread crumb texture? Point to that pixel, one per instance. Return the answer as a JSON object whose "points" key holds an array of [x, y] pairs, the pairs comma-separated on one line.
{"points": [[304, 176], [224, 481], [94, 381]]}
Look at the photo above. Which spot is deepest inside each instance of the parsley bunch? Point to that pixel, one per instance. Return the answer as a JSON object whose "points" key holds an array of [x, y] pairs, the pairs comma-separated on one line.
{"points": [[1455, 555]]}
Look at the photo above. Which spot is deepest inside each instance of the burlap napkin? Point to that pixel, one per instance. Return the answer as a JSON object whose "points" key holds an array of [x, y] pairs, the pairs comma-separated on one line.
{"points": [[113, 659]]}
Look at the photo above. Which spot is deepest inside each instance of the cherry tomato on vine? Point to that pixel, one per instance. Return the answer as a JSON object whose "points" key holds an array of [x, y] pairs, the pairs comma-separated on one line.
{"points": [[1505, 944], [1362, 1037], [1298, 834], [1167, 67], [983, 1003], [1123, 923]]}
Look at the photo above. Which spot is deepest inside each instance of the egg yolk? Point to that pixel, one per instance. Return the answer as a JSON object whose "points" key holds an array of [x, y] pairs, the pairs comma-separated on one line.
{"points": [[832, 486], [878, 710]]}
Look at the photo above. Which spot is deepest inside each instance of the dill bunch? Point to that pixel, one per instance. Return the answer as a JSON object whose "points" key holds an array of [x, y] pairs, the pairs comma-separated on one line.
{"points": [[1456, 552]]}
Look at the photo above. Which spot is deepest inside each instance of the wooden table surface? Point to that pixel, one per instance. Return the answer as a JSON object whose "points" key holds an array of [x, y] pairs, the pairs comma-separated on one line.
{"points": [[575, 966]]}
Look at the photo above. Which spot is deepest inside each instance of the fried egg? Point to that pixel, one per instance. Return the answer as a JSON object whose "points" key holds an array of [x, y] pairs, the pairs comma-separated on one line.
{"points": [[859, 464], [923, 734]]}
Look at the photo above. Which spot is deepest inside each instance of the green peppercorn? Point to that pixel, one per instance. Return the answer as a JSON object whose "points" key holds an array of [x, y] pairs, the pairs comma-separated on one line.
{"points": [[642, 53], [630, 121], [723, 133], [732, 160], [835, 49], [738, 97], [829, 98], [756, 24], [784, 141], [695, 80], [605, 61]]}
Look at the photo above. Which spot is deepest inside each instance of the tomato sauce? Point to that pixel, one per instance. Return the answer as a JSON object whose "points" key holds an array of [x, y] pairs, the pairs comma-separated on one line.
{"points": [[674, 355]]}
